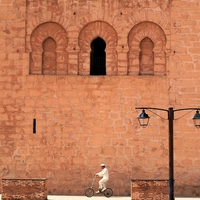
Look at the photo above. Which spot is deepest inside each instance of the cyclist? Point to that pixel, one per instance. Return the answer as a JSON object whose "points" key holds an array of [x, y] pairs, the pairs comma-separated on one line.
{"points": [[105, 176]]}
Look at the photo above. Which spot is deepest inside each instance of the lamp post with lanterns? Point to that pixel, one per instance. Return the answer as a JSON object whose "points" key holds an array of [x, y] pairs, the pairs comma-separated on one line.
{"points": [[143, 119]]}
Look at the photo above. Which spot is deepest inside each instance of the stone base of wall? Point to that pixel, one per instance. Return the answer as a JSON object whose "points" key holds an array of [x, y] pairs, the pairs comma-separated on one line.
{"points": [[149, 190], [24, 189]]}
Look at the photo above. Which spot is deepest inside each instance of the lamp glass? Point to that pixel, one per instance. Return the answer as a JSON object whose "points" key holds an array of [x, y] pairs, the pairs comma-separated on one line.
{"points": [[143, 119], [196, 119]]}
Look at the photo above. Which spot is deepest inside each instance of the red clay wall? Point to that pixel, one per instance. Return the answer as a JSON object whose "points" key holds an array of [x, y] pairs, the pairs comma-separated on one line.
{"points": [[85, 120]]}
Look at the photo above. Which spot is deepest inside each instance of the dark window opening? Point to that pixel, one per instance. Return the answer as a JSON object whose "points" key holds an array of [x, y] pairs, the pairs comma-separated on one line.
{"points": [[98, 57]]}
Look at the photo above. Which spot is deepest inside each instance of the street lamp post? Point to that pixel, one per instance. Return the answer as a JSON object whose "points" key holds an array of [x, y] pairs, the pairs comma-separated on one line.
{"points": [[144, 120]]}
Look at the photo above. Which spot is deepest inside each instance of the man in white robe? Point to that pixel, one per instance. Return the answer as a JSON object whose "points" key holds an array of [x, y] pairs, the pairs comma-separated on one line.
{"points": [[105, 177]]}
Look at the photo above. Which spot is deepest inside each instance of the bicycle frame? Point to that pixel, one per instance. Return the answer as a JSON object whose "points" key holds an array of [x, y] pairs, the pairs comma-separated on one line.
{"points": [[93, 181]]}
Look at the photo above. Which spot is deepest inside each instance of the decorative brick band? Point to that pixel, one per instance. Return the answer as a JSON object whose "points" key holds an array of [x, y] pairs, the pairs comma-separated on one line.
{"points": [[23, 189], [150, 189]]}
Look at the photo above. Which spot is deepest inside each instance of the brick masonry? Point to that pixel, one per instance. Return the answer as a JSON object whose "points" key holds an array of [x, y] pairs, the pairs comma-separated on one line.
{"points": [[149, 189], [84, 120], [23, 189]]}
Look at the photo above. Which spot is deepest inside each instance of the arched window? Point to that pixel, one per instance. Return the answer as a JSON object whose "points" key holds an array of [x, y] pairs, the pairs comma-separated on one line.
{"points": [[147, 45], [98, 57], [146, 57], [49, 56]]}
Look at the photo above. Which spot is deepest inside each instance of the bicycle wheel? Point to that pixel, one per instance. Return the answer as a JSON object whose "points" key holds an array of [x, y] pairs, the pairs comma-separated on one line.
{"points": [[89, 192], [108, 192]]}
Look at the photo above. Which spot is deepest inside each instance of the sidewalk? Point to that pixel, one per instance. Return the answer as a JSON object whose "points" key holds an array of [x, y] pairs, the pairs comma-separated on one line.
{"points": [[52, 197], [62, 197]]}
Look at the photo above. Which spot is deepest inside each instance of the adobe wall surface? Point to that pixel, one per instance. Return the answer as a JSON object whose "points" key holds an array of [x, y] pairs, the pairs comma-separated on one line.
{"points": [[83, 120]]}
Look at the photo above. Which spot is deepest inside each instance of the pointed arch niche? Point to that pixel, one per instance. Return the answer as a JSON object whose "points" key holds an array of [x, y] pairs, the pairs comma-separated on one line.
{"points": [[146, 56], [105, 32], [48, 43], [49, 56]]}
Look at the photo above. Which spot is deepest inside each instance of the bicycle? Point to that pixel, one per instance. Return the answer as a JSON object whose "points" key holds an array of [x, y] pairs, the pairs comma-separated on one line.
{"points": [[89, 192]]}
